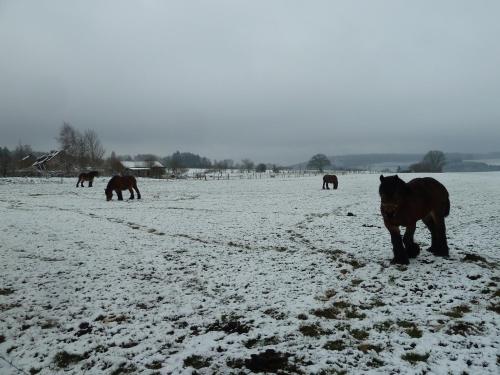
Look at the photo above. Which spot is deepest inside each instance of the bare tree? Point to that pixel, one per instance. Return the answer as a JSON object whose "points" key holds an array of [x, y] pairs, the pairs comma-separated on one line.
{"points": [[93, 149], [433, 161]]}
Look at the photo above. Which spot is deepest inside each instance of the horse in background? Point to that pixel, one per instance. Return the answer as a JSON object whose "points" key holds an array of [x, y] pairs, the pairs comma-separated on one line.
{"points": [[403, 204], [330, 179], [119, 183], [87, 177]]}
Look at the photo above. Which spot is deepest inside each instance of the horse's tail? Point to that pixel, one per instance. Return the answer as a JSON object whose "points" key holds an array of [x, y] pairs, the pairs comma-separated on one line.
{"points": [[447, 206]]}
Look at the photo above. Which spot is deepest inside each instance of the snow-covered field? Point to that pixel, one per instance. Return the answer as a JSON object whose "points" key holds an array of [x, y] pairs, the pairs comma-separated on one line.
{"points": [[198, 276]]}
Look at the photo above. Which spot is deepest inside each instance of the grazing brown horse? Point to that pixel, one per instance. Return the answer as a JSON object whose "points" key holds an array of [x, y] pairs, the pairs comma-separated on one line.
{"points": [[119, 183], [86, 177], [403, 204], [330, 179]]}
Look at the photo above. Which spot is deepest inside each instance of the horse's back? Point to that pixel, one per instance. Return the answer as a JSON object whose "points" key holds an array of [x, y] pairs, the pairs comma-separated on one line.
{"points": [[432, 191]]}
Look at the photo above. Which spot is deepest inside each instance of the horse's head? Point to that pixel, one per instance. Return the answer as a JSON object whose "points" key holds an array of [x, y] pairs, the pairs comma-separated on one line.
{"points": [[392, 192], [109, 194]]}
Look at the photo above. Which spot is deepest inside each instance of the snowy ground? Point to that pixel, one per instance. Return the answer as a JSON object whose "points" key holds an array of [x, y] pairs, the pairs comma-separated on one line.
{"points": [[198, 276]]}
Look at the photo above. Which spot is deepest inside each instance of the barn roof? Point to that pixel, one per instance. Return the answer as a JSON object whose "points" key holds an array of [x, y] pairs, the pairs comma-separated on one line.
{"points": [[136, 165]]}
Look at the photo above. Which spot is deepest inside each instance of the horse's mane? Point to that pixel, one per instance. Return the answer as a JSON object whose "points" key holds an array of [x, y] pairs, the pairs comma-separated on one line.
{"points": [[111, 183]]}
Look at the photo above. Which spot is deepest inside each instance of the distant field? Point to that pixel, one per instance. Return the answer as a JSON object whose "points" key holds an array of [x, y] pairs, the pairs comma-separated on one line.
{"points": [[487, 161], [204, 274]]}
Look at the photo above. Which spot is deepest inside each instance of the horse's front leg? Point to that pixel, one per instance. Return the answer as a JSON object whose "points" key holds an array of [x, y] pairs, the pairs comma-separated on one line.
{"points": [[78, 182], [131, 193], [137, 191], [400, 256], [119, 195], [412, 249], [323, 185]]}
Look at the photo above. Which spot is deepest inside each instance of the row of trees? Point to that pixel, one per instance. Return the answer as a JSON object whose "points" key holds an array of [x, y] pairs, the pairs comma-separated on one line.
{"points": [[11, 161], [433, 161]]}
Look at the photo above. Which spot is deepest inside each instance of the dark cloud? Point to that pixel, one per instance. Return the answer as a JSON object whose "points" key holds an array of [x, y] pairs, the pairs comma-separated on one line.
{"points": [[270, 80]]}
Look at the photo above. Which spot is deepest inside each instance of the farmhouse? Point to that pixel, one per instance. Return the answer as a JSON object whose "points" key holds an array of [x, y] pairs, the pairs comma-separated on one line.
{"points": [[143, 168]]}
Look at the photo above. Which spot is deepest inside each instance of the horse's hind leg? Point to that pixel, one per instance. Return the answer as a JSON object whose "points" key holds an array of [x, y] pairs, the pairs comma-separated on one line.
{"points": [[441, 248], [429, 223], [78, 182], [137, 191], [335, 185], [412, 249], [131, 193], [324, 185], [90, 182]]}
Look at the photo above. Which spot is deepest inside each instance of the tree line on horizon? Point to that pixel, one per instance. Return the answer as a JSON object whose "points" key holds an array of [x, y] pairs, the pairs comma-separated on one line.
{"points": [[84, 151]]}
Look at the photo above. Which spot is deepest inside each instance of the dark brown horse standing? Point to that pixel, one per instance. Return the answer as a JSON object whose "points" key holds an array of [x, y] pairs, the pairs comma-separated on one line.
{"points": [[86, 177], [119, 183], [403, 204], [330, 179]]}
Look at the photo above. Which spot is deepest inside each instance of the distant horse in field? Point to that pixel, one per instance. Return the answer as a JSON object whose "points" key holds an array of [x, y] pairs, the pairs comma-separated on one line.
{"points": [[119, 183], [86, 177], [330, 179], [403, 204]]}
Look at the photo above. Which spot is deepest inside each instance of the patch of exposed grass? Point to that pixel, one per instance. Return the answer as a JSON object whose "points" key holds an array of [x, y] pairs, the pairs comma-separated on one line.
{"points": [[366, 347], [329, 293], [271, 361], [335, 345], [6, 291], [359, 334], [411, 328], [259, 342], [155, 365], [327, 313], [197, 361], [229, 324], [414, 332], [464, 329], [125, 368], [413, 357], [355, 264], [275, 314], [375, 363], [64, 359], [352, 313], [383, 326], [332, 371], [313, 330], [341, 304], [494, 307], [405, 324], [458, 311]]}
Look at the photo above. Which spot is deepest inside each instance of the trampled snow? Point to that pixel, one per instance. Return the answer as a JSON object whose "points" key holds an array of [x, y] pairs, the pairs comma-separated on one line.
{"points": [[199, 275]]}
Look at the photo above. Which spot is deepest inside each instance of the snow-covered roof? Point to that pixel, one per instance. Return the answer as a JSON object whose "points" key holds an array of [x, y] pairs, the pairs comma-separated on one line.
{"points": [[142, 164], [45, 158]]}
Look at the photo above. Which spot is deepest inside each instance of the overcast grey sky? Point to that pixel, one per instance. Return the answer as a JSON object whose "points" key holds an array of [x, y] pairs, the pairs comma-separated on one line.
{"points": [[275, 81]]}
